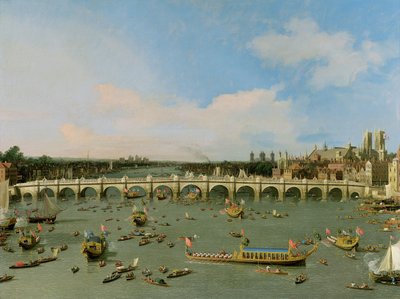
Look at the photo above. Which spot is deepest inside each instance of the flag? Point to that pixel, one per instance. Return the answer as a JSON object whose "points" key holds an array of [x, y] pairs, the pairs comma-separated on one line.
{"points": [[103, 228], [188, 242], [39, 227], [292, 244], [33, 234], [242, 232], [328, 231], [227, 201], [359, 231]]}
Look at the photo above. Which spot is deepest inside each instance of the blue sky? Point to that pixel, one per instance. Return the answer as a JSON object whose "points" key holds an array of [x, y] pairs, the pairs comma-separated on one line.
{"points": [[185, 80]]}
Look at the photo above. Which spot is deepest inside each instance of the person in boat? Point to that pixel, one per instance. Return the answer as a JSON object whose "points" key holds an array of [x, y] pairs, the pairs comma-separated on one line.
{"points": [[353, 284], [364, 286]]}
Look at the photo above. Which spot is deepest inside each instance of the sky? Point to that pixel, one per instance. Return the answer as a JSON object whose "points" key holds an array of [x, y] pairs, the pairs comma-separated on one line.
{"points": [[197, 80]]}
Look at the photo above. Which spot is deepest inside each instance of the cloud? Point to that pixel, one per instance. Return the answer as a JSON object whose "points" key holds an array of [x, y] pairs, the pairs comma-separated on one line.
{"points": [[183, 130], [335, 59]]}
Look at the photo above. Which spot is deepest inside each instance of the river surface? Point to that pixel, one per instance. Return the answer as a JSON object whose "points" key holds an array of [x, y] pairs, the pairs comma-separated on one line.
{"points": [[211, 227]]}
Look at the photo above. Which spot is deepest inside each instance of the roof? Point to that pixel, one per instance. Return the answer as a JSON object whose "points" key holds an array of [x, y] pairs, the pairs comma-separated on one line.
{"points": [[264, 249]]}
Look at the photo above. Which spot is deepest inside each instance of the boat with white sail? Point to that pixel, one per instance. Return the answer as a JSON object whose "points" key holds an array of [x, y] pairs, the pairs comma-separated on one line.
{"points": [[389, 267]]}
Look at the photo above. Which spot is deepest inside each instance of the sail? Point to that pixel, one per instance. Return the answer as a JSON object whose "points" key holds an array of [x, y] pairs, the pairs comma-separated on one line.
{"points": [[49, 208], [391, 261], [4, 197], [55, 251], [135, 262]]}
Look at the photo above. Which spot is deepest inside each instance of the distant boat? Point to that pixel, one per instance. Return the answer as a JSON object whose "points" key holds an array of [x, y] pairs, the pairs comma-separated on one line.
{"points": [[179, 272], [138, 217], [161, 194], [6, 277], [157, 281], [112, 277], [28, 241], [359, 287], [131, 267], [268, 270], [19, 265], [234, 210], [131, 193], [47, 212], [300, 278]]}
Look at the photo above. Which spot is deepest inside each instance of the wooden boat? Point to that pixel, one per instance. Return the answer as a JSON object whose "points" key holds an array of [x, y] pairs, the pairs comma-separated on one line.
{"points": [[255, 255], [300, 278], [47, 212], [93, 246], [102, 263], [75, 269], [8, 249], [179, 272], [144, 241], [234, 211], [124, 238], [138, 218], [130, 276], [163, 269], [170, 244], [161, 194], [19, 265], [146, 272], [47, 259], [389, 267], [40, 250], [359, 287], [51, 229], [187, 217], [160, 239], [323, 261], [131, 193], [29, 241], [351, 255], [131, 267], [6, 277], [344, 242], [157, 281], [192, 196], [76, 233], [235, 234], [8, 223], [113, 276], [268, 270]]}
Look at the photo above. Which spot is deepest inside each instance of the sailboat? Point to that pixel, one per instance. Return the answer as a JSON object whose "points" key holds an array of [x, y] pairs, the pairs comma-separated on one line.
{"points": [[389, 268], [131, 267], [47, 213], [6, 222]]}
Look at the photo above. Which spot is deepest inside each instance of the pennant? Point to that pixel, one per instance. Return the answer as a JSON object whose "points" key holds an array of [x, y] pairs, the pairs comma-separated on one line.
{"points": [[39, 227], [188, 242], [242, 232], [292, 244], [359, 231], [227, 201], [103, 228], [328, 231]]}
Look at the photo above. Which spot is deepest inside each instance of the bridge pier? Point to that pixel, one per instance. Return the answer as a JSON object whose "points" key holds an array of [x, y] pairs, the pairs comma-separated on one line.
{"points": [[325, 189], [281, 190]]}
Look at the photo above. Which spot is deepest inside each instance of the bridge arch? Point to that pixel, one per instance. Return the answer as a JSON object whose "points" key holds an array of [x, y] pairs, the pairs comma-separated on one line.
{"points": [[112, 192], [315, 193], [219, 192], [27, 197], [293, 193], [189, 189], [270, 193], [335, 194], [354, 195], [67, 193], [245, 191], [89, 193], [49, 191], [167, 190]]}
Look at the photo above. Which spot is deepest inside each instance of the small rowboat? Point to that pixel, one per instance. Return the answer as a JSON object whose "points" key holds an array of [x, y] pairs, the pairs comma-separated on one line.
{"points": [[323, 261], [6, 277], [272, 271], [75, 269], [112, 277], [157, 281], [300, 278], [177, 273], [130, 276], [359, 287]]}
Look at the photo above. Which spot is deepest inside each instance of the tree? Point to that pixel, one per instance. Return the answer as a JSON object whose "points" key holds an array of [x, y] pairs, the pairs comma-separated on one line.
{"points": [[13, 155]]}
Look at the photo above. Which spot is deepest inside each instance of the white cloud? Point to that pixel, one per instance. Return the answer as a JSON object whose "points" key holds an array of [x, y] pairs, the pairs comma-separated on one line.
{"points": [[337, 61], [185, 131]]}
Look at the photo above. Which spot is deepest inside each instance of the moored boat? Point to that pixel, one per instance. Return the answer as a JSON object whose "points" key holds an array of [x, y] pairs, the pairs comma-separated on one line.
{"points": [[363, 286]]}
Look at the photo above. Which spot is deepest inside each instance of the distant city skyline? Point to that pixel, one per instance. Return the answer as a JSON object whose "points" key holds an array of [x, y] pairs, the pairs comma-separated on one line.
{"points": [[197, 80]]}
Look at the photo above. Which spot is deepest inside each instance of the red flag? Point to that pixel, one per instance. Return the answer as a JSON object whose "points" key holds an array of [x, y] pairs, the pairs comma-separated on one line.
{"points": [[292, 244], [188, 242], [242, 232], [103, 228], [391, 237], [359, 231], [328, 231], [227, 201], [39, 227]]}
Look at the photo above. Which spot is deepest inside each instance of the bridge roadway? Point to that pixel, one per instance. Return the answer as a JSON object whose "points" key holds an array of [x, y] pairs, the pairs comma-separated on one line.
{"points": [[260, 187]]}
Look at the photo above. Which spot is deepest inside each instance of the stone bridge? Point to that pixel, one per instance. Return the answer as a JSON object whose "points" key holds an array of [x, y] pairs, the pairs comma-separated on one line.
{"points": [[258, 187]]}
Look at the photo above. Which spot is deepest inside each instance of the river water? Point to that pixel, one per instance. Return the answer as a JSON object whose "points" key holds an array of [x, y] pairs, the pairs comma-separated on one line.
{"points": [[208, 280]]}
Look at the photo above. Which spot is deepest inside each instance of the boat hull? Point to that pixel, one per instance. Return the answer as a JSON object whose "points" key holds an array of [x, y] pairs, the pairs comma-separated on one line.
{"points": [[27, 242], [8, 223], [93, 250], [38, 219]]}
